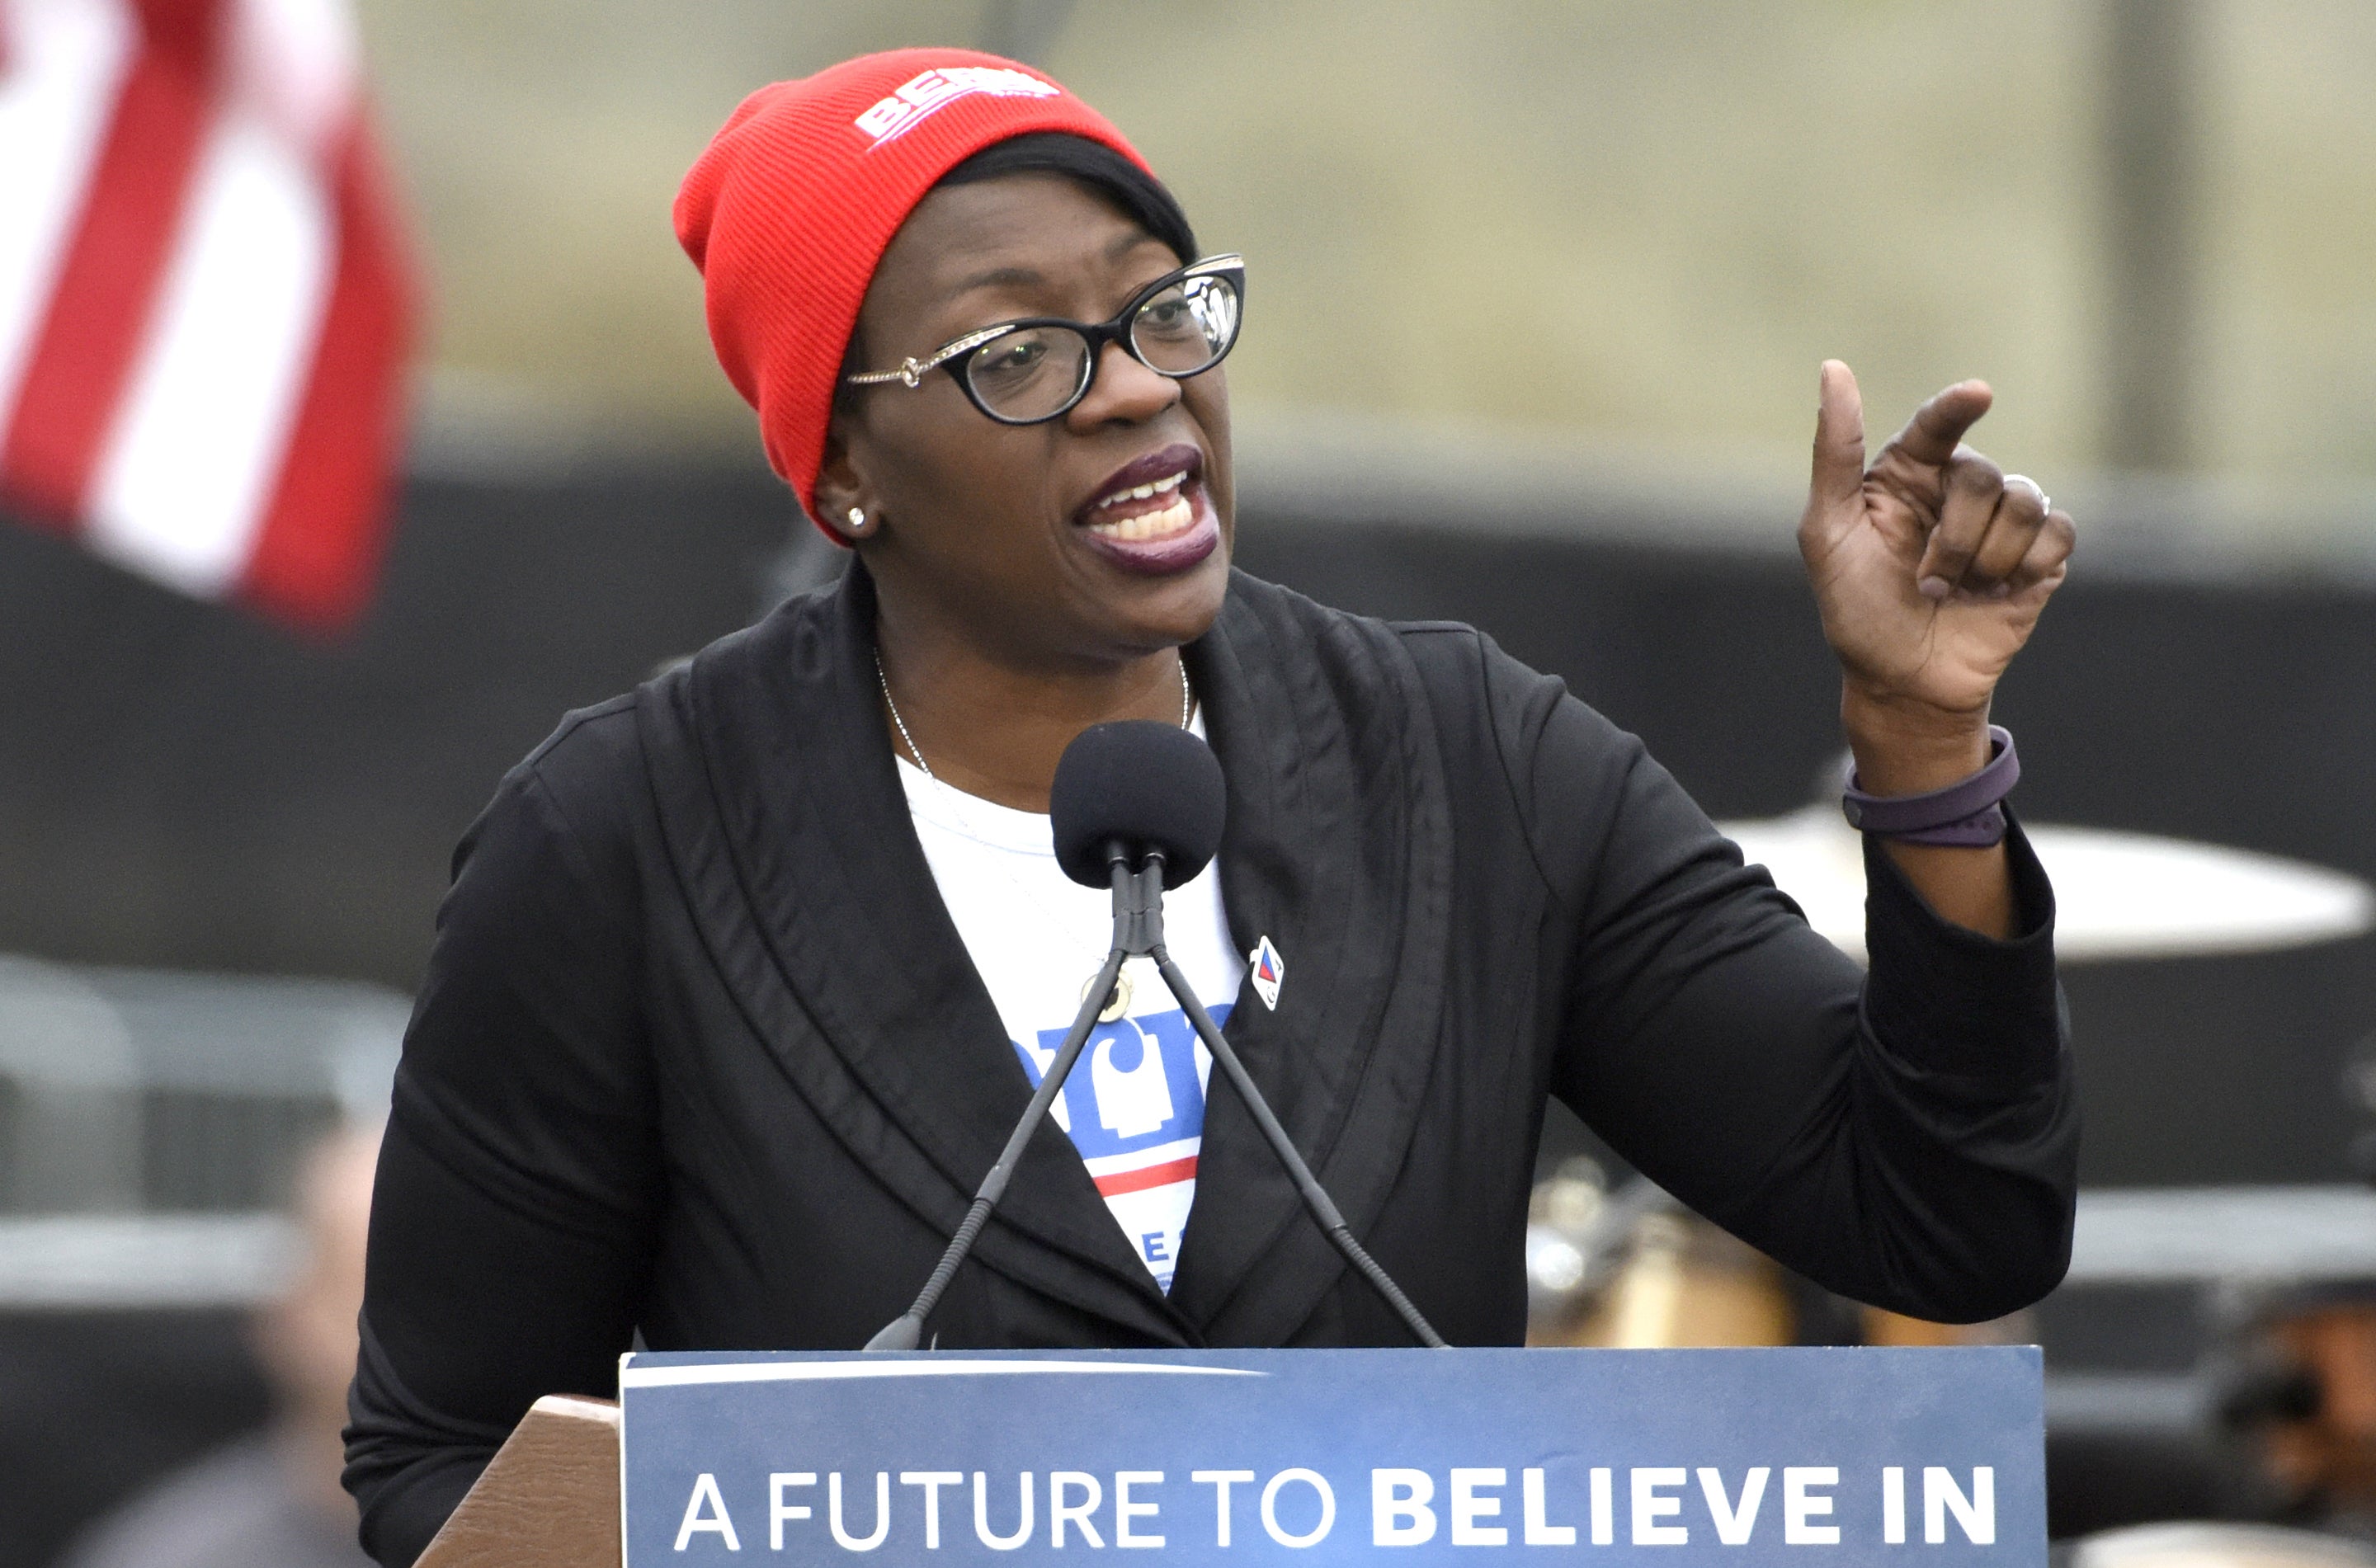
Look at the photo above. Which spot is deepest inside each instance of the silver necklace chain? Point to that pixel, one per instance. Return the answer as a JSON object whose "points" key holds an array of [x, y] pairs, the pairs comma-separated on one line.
{"points": [[1187, 712]]}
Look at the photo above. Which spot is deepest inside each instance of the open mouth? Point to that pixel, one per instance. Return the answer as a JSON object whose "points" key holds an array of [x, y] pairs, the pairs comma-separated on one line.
{"points": [[1152, 514], [1145, 511]]}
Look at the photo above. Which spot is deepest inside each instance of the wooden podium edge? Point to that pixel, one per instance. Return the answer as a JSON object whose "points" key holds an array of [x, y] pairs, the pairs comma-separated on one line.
{"points": [[548, 1499]]}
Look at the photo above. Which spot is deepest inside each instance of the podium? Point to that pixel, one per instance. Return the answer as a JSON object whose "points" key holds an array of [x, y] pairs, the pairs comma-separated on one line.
{"points": [[548, 1499], [1475, 1457]]}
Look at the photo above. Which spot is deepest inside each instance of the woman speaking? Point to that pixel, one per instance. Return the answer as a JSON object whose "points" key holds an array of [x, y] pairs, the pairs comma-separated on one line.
{"points": [[746, 976]]}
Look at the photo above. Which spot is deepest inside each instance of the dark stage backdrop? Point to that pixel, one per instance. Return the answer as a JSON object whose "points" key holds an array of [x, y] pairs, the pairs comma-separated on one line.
{"points": [[182, 785]]}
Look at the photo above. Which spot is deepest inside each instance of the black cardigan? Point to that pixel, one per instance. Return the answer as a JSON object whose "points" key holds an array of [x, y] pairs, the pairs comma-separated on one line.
{"points": [[700, 1055]]}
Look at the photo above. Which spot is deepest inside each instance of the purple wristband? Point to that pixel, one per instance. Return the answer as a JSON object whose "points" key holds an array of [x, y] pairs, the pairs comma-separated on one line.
{"points": [[1966, 815]]}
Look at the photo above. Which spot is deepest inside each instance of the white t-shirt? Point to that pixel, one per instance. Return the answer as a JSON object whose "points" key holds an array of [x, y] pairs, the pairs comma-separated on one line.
{"points": [[1135, 1103]]}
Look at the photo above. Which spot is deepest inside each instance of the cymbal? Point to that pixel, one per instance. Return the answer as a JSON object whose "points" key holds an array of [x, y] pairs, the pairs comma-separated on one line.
{"points": [[2117, 895]]}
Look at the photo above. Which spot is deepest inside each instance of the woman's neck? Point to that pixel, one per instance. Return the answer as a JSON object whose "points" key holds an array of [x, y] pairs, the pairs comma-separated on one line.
{"points": [[994, 727]]}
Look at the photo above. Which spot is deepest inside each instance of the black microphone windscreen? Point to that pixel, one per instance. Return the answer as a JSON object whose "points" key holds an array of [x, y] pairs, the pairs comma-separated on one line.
{"points": [[1154, 787]]}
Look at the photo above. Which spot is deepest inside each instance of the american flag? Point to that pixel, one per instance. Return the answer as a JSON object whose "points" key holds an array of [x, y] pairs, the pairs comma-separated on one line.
{"points": [[204, 296]]}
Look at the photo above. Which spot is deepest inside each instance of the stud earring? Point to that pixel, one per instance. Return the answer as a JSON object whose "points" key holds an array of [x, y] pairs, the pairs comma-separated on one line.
{"points": [[858, 520]]}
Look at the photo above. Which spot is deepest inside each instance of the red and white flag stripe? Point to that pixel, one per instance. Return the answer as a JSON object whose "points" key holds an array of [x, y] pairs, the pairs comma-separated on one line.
{"points": [[204, 299]]}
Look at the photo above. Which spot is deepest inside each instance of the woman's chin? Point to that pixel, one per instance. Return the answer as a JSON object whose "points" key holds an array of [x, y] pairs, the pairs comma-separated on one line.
{"points": [[1166, 584]]}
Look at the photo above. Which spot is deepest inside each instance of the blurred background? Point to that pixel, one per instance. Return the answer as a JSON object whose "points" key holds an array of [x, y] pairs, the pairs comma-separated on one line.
{"points": [[1538, 292]]}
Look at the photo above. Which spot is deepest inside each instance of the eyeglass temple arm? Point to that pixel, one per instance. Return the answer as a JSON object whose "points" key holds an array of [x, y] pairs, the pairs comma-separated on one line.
{"points": [[913, 371]]}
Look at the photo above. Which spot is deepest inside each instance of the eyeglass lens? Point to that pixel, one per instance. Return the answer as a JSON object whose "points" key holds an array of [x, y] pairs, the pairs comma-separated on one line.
{"points": [[1035, 372]]}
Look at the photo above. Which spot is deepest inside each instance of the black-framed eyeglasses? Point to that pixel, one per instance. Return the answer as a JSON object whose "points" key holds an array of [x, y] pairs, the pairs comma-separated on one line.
{"points": [[1031, 370]]}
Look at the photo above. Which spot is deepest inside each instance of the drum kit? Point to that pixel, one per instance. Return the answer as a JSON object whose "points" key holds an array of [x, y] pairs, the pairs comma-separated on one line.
{"points": [[1633, 1268], [1624, 1265]]}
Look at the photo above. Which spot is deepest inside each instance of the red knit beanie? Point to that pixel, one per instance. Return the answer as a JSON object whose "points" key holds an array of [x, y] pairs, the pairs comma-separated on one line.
{"points": [[790, 206]]}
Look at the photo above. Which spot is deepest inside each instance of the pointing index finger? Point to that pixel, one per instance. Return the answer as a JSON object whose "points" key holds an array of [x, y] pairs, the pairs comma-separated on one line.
{"points": [[1938, 426]]}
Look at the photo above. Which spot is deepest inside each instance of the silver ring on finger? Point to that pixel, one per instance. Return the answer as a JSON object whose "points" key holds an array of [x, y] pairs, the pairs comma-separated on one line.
{"points": [[2044, 502]]}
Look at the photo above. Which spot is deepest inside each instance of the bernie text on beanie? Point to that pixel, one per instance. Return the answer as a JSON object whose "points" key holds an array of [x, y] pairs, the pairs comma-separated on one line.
{"points": [[792, 205]]}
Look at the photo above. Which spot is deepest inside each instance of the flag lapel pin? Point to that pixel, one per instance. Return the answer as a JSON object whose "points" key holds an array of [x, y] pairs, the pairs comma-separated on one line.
{"points": [[1266, 969]]}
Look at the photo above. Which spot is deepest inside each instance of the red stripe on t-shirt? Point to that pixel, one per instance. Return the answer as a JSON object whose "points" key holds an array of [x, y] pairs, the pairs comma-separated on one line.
{"points": [[318, 550], [1138, 1180], [98, 317]]}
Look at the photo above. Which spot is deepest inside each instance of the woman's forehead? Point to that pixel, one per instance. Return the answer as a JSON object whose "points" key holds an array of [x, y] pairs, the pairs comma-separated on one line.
{"points": [[1029, 237]]}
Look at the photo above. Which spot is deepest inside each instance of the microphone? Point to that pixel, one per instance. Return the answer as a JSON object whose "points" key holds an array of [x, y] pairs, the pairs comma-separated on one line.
{"points": [[1138, 807], [1150, 789]]}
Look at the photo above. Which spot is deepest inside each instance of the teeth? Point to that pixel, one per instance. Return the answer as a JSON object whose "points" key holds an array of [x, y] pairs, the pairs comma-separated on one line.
{"points": [[1145, 492], [1174, 518]]}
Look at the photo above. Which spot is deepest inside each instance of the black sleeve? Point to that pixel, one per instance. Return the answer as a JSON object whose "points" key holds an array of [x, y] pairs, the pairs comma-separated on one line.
{"points": [[1907, 1138], [513, 1213]]}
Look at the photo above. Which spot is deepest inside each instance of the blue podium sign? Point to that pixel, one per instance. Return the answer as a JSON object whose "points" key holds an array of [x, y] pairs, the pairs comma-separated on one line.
{"points": [[1419, 1457]]}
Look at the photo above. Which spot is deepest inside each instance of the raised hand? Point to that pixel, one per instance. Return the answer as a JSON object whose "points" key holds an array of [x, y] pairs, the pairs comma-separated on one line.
{"points": [[1930, 568]]}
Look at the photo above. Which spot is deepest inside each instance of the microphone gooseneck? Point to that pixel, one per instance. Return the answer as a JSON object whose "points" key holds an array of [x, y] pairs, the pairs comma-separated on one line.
{"points": [[907, 1331], [1138, 808]]}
